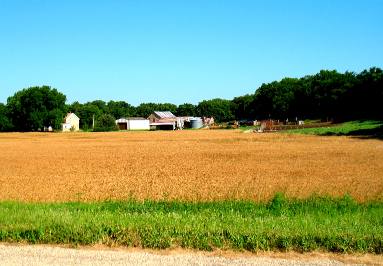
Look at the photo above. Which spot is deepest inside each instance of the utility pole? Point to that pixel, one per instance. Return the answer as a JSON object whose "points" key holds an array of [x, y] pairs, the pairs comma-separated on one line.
{"points": [[93, 123]]}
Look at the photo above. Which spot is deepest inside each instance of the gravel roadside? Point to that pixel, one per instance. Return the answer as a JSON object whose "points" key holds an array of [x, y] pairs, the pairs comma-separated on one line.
{"points": [[47, 255]]}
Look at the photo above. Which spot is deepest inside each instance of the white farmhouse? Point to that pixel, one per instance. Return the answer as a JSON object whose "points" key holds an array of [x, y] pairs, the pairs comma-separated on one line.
{"points": [[71, 123]]}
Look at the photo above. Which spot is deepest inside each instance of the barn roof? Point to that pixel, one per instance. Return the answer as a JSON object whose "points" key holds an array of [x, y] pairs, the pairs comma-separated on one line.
{"points": [[164, 114]]}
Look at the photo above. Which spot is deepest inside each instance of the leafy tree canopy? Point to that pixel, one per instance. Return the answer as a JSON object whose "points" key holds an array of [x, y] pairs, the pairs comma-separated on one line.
{"points": [[5, 122], [105, 122], [145, 109], [220, 109], [35, 107], [186, 109], [120, 109]]}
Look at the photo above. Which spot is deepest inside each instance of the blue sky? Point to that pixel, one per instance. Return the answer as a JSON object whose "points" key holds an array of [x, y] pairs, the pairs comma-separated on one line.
{"points": [[183, 50]]}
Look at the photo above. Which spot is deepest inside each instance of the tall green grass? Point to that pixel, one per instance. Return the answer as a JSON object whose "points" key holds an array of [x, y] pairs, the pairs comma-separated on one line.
{"points": [[318, 223]]}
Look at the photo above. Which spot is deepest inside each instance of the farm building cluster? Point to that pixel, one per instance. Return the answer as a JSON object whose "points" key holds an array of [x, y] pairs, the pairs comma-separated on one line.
{"points": [[166, 120], [158, 120], [162, 120]]}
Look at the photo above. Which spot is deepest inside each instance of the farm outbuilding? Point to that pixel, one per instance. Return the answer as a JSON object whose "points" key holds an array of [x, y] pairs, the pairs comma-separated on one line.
{"points": [[163, 120], [71, 123], [133, 123], [162, 116]]}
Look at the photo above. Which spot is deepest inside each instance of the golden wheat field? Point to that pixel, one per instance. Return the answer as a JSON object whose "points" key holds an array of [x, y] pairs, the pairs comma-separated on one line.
{"points": [[186, 165]]}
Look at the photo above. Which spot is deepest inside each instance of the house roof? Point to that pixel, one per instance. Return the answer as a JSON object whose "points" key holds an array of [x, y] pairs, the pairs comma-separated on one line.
{"points": [[164, 114], [70, 114]]}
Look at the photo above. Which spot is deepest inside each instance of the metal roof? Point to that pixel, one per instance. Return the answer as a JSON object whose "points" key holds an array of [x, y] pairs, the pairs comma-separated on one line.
{"points": [[164, 114]]}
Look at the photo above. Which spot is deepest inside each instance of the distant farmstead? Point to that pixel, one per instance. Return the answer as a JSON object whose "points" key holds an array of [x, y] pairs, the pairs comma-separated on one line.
{"points": [[71, 123], [133, 123]]}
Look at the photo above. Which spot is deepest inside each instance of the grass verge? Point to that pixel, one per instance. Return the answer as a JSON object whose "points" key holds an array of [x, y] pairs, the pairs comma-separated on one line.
{"points": [[317, 223], [369, 128]]}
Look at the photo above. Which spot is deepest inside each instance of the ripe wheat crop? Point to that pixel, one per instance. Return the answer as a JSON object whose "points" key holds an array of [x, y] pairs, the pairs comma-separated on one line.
{"points": [[186, 165]]}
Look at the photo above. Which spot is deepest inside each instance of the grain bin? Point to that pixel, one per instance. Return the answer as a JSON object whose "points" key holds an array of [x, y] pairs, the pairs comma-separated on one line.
{"points": [[196, 123]]}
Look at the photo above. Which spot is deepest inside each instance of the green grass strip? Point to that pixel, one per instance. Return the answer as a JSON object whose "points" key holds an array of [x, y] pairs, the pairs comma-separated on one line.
{"points": [[352, 128], [317, 223]]}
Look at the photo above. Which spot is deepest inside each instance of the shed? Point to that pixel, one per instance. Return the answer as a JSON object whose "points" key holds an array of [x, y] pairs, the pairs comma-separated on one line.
{"points": [[71, 123], [133, 123]]}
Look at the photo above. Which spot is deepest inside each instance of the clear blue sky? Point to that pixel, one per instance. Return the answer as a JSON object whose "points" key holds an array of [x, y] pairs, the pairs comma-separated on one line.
{"points": [[182, 50]]}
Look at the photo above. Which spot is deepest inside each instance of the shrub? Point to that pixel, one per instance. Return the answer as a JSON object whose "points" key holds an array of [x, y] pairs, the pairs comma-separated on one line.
{"points": [[105, 122]]}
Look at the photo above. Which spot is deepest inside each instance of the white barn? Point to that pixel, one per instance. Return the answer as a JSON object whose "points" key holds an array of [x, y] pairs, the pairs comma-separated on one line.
{"points": [[133, 123], [71, 122]]}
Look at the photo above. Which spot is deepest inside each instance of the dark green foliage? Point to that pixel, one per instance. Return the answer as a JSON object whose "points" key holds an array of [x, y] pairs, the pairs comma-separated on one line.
{"points": [[120, 109], [242, 107], [328, 95], [220, 109], [36, 107], [86, 112], [146, 109], [186, 109], [365, 98], [316, 223], [5, 122], [101, 106], [105, 122]]}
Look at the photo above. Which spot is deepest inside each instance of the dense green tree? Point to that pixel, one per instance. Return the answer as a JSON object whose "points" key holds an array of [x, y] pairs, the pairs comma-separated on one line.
{"points": [[220, 109], [33, 108], [327, 89], [327, 95], [186, 109], [242, 107], [167, 107], [120, 109], [87, 113], [5, 122], [105, 122], [263, 101], [101, 105], [75, 107], [145, 109], [366, 97]]}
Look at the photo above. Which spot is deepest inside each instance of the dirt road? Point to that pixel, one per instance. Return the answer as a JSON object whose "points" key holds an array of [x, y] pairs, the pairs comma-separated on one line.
{"points": [[47, 255]]}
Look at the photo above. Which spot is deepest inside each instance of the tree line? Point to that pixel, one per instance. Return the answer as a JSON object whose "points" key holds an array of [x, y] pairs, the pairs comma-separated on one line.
{"points": [[327, 95]]}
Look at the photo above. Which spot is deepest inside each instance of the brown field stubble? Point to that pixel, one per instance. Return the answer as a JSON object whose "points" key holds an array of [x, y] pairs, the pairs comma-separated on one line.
{"points": [[186, 165]]}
